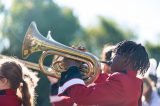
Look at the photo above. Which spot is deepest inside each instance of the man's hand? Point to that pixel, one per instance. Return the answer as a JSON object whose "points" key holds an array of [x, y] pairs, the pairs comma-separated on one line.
{"points": [[52, 80], [70, 62]]}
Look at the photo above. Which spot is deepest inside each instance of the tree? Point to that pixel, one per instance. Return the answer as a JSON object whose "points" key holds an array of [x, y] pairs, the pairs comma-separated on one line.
{"points": [[153, 50], [1, 7], [106, 32], [48, 16]]}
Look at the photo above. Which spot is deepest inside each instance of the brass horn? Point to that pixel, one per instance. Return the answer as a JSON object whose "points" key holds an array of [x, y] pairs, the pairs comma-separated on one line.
{"points": [[28, 64], [34, 42]]}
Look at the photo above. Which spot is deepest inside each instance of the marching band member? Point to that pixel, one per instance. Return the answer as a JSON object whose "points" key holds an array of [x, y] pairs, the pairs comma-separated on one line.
{"points": [[150, 95], [106, 56], [17, 83], [121, 88]]}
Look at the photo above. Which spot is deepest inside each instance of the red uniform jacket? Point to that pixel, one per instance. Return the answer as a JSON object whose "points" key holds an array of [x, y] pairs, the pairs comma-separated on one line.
{"points": [[119, 89], [9, 98]]}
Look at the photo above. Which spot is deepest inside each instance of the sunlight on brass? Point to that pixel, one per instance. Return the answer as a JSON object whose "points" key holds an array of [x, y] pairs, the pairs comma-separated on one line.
{"points": [[34, 42]]}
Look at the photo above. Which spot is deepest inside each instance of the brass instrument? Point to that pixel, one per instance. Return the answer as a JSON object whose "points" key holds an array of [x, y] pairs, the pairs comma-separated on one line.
{"points": [[30, 65], [34, 42]]}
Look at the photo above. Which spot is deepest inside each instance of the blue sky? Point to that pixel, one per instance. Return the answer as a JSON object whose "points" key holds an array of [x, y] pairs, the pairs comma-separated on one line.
{"points": [[142, 16]]}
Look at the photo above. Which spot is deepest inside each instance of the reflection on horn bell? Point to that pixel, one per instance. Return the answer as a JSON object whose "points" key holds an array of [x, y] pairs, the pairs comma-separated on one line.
{"points": [[34, 42]]}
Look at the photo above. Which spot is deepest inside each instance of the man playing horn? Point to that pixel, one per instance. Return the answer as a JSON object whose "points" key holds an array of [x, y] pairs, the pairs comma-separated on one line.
{"points": [[121, 88]]}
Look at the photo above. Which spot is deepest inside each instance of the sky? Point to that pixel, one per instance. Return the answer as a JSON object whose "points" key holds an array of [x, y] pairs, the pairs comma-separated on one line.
{"points": [[141, 16]]}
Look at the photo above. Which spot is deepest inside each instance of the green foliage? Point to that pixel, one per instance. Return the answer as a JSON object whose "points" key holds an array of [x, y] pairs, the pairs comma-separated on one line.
{"points": [[153, 50], [107, 32], [1, 7], [48, 16]]}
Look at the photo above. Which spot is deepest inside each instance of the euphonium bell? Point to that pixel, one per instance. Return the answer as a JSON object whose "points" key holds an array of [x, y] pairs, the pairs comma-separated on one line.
{"points": [[34, 42]]}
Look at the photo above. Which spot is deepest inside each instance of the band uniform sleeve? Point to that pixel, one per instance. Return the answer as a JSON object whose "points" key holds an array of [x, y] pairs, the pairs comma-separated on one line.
{"points": [[70, 78], [102, 78], [109, 92], [65, 101], [57, 100]]}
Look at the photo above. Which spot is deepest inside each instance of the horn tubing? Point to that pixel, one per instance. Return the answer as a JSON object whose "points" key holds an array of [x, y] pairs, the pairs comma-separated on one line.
{"points": [[28, 64], [34, 42]]}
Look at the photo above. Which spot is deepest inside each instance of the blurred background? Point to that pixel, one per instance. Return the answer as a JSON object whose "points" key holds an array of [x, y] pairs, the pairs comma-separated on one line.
{"points": [[79, 22]]}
